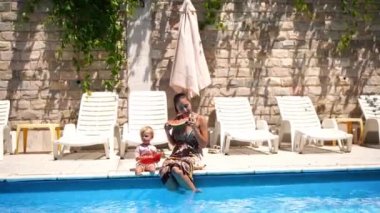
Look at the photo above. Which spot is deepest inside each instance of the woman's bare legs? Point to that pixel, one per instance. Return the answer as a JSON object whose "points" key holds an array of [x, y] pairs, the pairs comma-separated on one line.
{"points": [[183, 179], [170, 183]]}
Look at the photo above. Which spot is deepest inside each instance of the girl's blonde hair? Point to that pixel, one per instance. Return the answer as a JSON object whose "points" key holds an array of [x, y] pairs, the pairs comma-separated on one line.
{"points": [[146, 129]]}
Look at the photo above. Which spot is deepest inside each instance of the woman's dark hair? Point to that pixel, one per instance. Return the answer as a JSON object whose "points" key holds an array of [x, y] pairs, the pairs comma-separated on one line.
{"points": [[176, 99]]}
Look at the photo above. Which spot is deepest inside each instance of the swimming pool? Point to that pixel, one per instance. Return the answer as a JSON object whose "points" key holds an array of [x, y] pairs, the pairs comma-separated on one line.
{"points": [[333, 191]]}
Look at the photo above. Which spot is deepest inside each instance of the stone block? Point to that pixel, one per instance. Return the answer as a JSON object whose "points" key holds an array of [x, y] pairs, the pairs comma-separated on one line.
{"points": [[3, 84], [279, 53], [277, 91], [282, 35], [15, 6], [314, 90], [272, 81], [6, 26], [244, 91], [21, 104], [5, 45], [279, 71], [29, 115], [68, 75], [370, 90], [313, 81], [312, 71], [8, 36], [6, 55], [5, 6], [38, 104], [9, 16], [273, 62], [288, 44], [287, 82], [243, 72], [5, 75], [3, 94], [374, 81], [26, 95], [287, 62], [169, 53], [156, 54]]}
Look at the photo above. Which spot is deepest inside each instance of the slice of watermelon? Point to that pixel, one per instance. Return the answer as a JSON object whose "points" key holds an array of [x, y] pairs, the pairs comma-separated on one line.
{"points": [[150, 159], [178, 123]]}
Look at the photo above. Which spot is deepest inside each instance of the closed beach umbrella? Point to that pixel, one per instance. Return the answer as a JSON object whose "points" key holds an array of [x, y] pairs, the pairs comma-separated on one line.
{"points": [[190, 72]]}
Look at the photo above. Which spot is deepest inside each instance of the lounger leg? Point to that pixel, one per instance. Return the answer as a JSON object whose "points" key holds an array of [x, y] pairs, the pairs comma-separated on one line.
{"points": [[302, 143], [117, 135], [214, 133], [319, 143], [280, 138], [222, 141], [340, 144], [55, 151], [111, 146], [122, 149], [296, 140], [275, 145], [349, 144], [270, 146], [254, 144], [226, 147], [107, 149], [7, 139], [371, 126], [1, 143]]}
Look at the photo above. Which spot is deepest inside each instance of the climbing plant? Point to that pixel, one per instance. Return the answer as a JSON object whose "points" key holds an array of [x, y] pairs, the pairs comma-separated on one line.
{"points": [[88, 26], [212, 15], [354, 11]]}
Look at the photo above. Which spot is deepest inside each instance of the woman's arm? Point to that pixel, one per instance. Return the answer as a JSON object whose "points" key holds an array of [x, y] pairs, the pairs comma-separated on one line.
{"points": [[201, 131], [167, 128]]}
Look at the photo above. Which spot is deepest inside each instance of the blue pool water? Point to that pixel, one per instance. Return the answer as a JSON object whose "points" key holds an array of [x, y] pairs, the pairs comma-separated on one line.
{"points": [[353, 191]]}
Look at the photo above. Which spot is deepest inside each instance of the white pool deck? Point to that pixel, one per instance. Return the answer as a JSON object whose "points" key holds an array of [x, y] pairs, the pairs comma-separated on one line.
{"points": [[92, 163]]}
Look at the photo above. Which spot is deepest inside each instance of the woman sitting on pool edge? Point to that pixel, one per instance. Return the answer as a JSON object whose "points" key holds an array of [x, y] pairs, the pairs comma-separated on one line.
{"points": [[188, 141]]}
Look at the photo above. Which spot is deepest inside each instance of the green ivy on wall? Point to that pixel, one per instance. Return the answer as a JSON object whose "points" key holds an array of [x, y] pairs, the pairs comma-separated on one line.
{"points": [[89, 26], [212, 17], [356, 12]]}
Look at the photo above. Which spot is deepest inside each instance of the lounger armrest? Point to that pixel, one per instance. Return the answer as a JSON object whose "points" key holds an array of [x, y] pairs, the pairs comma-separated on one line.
{"points": [[69, 129], [329, 123], [262, 125]]}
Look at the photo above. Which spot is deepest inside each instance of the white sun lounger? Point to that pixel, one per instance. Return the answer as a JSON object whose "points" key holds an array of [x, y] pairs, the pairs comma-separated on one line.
{"points": [[5, 135], [235, 121], [97, 124], [145, 108], [370, 106], [300, 120]]}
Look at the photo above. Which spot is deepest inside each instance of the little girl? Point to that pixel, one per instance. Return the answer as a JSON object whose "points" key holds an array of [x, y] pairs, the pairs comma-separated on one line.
{"points": [[145, 149]]}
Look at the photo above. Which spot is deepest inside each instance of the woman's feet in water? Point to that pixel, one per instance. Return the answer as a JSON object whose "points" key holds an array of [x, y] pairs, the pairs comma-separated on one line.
{"points": [[196, 190]]}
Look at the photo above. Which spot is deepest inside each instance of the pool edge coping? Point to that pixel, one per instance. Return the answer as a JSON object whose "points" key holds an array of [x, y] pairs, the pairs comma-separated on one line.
{"points": [[116, 175]]}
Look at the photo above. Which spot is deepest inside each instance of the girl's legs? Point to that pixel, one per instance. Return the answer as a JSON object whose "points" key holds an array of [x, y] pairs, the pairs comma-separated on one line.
{"points": [[150, 168], [139, 169]]}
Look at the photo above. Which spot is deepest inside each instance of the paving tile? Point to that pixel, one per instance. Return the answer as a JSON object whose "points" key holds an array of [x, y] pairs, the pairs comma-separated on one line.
{"points": [[241, 159]]}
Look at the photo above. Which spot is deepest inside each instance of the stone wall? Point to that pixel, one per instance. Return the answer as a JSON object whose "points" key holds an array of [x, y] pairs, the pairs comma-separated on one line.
{"points": [[267, 51], [264, 51]]}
